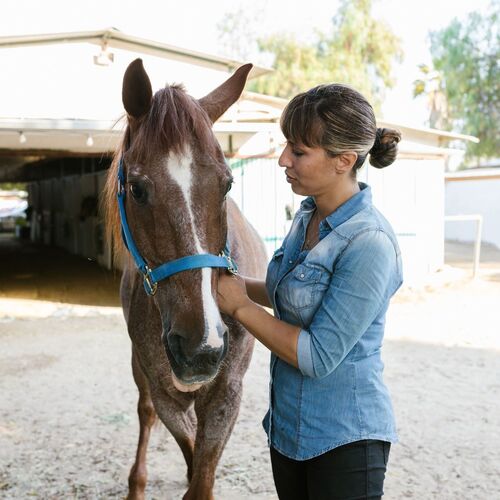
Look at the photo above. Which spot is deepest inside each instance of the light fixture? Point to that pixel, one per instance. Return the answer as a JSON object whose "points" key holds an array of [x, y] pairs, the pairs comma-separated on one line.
{"points": [[22, 138], [90, 141], [104, 58]]}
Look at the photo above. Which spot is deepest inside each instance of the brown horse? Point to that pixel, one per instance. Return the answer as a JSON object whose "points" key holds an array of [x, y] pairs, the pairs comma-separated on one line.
{"points": [[187, 360]]}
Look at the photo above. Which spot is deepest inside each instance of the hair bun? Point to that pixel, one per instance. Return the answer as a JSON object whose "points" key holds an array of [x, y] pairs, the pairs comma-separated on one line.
{"points": [[385, 147]]}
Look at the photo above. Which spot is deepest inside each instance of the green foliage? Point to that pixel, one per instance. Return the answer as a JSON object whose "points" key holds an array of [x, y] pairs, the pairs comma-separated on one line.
{"points": [[358, 50], [467, 54], [297, 67]]}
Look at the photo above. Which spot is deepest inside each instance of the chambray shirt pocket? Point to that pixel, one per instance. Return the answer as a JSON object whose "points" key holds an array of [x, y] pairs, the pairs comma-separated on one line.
{"points": [[301, 291], [322, 279]]}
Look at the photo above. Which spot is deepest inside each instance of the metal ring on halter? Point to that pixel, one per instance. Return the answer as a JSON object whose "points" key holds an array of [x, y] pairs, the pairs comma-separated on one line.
{"points": [[232, 267], [149, 285]]}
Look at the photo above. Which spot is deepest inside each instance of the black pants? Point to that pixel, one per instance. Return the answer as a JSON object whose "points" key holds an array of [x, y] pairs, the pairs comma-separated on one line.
{"points": [[354, 471]]}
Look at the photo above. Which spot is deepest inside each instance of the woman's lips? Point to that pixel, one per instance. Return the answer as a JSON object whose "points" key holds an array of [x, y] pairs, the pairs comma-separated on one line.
{"points": [[290, 178]]}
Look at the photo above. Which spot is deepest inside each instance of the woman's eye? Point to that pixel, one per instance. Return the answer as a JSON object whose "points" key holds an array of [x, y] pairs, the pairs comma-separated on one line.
{"points": [[296, 152], [138, 192]]}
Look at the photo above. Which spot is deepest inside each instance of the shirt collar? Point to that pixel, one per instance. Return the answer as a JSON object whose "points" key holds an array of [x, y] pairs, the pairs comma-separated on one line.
{"points": [[351, 207]]}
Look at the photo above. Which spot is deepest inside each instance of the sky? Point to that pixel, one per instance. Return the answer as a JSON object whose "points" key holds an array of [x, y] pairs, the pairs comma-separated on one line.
{"points": [[193, 24]]}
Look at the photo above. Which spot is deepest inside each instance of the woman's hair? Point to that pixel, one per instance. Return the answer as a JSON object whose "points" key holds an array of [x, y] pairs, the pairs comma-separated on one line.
{"points": [[338, 119]]}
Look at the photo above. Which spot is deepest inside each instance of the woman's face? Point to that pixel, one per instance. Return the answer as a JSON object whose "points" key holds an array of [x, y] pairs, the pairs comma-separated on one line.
{"points": [[310, 171]]}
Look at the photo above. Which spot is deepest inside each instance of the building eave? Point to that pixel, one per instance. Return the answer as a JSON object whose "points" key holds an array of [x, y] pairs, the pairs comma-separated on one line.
{"points": [[111, 37], [447, 136]]}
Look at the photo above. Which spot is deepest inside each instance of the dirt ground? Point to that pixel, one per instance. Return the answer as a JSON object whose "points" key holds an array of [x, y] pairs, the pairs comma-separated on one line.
{"points": [[68, 426]]}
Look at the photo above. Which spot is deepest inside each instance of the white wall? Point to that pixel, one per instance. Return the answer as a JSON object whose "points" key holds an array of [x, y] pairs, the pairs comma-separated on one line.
{"points": [[410, 194], [475, 196]]}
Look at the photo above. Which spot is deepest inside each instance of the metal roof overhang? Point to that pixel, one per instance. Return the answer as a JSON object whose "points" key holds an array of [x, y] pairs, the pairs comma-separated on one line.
{"points": [[112, 37], [50, 138], [442, 135], [72, 135]]}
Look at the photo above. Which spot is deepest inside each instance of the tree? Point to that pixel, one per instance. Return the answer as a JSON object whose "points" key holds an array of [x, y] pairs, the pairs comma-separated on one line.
{"points": [[467, 54], [358, 50], [297, 67], [431, 84]]}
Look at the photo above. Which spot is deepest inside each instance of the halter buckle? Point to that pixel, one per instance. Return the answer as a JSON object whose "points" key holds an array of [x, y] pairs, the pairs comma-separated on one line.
{"points": [[232, 267], [149, 285]]}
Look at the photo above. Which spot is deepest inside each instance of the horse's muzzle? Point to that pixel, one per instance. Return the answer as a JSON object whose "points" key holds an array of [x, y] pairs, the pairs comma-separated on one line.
{"points": [[193, 365]]}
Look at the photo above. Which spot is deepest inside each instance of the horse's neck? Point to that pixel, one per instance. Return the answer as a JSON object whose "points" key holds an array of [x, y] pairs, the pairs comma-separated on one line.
{"points": [[245, 244]]}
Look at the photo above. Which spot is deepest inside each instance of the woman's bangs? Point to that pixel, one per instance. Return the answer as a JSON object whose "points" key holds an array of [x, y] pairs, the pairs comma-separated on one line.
{"points": [[300, 125]]}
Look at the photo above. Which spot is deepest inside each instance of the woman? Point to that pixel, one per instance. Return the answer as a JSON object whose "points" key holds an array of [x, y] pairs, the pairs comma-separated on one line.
{"points": [[330, 420]]}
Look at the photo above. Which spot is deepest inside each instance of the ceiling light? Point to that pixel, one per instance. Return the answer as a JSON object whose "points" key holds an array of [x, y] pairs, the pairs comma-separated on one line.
{"points": [[104, 58]]}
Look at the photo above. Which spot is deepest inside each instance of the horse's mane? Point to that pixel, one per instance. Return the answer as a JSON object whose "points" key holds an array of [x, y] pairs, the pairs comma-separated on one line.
{"points": [[174, 118]]}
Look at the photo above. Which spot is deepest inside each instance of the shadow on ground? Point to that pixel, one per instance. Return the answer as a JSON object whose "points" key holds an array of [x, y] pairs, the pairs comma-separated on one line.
{"points": [[461, 254], [30, 271]]}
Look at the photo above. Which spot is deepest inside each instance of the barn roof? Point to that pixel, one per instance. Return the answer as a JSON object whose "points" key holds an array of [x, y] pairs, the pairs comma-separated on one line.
{"points": [[114, 38]]}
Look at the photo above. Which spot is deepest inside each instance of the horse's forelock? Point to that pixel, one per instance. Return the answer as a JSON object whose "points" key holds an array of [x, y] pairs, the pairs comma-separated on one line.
{"points": [[173, 120]]}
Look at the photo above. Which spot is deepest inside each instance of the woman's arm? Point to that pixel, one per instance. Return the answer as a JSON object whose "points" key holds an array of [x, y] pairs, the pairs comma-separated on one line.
{"points": [[256, 290], [360, 286], [362, 283]]}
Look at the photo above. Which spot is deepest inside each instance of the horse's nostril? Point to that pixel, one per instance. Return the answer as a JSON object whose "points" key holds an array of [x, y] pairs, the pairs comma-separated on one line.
{"points": [[213, 356], [177, 340]]}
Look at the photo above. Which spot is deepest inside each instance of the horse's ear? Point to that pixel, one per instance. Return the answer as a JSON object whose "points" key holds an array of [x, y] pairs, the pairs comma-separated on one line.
{"points": [[136, 91], [218, 101]]}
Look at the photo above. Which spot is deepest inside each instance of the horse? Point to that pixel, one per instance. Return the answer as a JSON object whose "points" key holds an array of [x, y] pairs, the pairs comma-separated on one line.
{"points": [[166, 197]]}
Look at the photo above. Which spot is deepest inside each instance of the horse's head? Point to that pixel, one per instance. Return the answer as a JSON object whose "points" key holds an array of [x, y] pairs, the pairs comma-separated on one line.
{"points": [[176, 181]]}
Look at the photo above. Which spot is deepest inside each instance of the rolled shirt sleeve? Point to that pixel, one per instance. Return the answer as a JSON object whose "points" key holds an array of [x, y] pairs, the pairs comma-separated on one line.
{"points": [[363, 280]]}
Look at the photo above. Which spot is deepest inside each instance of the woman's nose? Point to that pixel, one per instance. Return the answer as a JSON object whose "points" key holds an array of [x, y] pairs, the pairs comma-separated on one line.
{"points": [[284, 159]]}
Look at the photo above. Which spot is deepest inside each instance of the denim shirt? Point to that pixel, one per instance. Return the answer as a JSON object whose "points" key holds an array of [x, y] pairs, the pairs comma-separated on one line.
{"points": [[338, 294]]}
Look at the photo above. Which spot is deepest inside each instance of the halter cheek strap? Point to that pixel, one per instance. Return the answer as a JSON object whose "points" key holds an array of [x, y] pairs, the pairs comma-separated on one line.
{"points": [[163, 271]]}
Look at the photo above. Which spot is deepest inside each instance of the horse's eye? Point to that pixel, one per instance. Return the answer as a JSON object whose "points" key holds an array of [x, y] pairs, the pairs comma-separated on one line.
{"points": [[139, 193], [228, 187]]}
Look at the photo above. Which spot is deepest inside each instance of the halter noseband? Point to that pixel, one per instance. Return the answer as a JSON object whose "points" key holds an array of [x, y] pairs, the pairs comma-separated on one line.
{"points": [[163, 271]]}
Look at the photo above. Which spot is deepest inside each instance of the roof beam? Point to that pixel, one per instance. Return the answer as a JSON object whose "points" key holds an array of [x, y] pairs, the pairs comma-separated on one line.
{"points": [[117, 39]]}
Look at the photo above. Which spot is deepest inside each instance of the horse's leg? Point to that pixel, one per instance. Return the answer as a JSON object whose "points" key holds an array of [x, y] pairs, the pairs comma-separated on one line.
{"points": [[147, 416], [180, 420], [216, 412]]}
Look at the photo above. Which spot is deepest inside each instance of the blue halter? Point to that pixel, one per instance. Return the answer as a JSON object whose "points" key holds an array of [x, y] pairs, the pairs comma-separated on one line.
{"points": [[153, 276]]}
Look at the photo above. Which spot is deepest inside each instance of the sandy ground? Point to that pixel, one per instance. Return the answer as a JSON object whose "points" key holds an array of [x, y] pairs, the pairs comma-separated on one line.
{"points": [[68, 426]]}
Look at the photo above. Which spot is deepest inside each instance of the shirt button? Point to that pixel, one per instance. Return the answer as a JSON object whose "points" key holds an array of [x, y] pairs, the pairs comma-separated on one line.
{"points": [[290, 261], [302, 275]]}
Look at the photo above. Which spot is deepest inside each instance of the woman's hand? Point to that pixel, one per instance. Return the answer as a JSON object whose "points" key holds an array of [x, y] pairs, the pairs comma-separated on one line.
{"points": [[231, 293], [278, 336]]}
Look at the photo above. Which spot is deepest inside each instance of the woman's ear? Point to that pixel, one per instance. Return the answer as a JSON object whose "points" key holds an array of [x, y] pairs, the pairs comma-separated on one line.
{"points": [[345, 162]]}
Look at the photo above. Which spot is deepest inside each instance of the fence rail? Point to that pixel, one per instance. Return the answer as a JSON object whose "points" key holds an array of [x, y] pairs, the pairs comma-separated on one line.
{"points": [[479, 230]]}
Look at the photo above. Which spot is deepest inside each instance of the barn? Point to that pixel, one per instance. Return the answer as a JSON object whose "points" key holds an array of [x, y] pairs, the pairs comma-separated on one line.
{"points": [[60, 122]]}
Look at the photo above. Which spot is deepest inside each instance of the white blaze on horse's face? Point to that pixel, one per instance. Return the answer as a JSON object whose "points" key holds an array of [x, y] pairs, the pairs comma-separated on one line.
{"points": [[179, 167]]}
